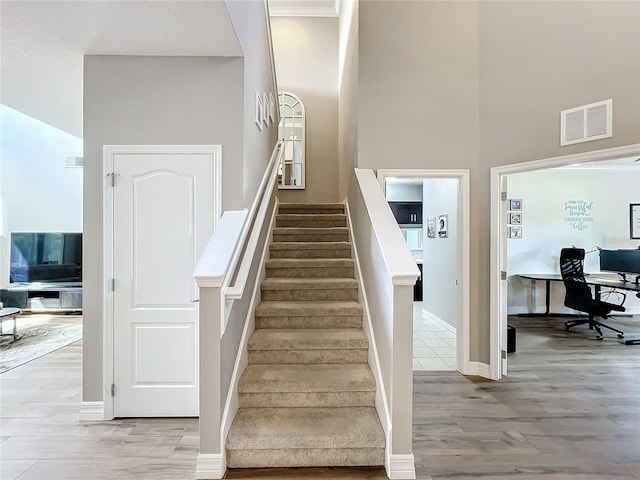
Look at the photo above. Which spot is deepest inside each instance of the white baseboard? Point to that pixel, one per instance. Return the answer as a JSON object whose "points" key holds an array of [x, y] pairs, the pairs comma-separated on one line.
{"points": [[210, 466], [438, 320], [401, 467], [91, 411], [478, 368]]}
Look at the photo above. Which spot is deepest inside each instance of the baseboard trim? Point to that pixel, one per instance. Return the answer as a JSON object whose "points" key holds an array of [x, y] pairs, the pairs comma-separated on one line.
{"points": [[91, 411], [478, 368], [438, 320], [401, 467], [210, 466]]}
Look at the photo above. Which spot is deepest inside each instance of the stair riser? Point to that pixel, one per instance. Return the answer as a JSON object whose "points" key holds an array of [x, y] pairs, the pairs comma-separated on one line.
{"points": [[311, 237], [319, 295], [311, 222], [351, 355], [320, 253], [320, 457], [310, 272], [321, 210], [307, 399], [345, 321]]}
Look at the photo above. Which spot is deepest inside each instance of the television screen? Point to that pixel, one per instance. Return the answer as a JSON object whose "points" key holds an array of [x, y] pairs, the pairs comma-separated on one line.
{"points": [[45, 257]]}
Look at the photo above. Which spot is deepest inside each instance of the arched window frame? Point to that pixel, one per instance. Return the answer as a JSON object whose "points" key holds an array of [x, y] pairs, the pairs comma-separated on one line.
{"points": [[291, 130]]}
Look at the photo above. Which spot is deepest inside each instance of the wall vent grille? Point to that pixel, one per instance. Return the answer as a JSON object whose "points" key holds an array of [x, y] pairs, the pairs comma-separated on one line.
{"points": [[586, 123], [73, 161]]}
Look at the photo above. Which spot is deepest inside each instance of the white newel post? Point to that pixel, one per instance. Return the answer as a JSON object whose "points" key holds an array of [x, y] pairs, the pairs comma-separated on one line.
{"points": [[211, 275], [211, 463]]}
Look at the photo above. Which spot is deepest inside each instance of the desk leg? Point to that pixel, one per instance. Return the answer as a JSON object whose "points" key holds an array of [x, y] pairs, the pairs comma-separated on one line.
{"points": [[547, 304]]}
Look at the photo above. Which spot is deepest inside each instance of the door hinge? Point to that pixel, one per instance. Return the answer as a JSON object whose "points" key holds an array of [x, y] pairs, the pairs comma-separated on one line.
{"points": [[503, 196], [503, 275], [113, 285], [113, 389], [504, 354], [112, 177]]}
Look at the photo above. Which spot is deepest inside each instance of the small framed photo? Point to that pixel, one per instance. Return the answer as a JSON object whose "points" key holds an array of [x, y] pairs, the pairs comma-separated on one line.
{"points": [[272, 108], [265, 109], [634, 220], [443, 226], [515, 204], [259, 111], [431, 227], [515, 232], [515, 218]]}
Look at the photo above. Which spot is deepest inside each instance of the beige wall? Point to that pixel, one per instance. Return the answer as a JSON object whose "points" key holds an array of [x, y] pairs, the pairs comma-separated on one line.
{"points": [[348, 94], [478, 84], [149, 101], [306, 57]]}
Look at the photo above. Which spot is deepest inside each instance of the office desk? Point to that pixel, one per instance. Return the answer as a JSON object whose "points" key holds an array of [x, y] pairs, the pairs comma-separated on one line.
{"points": [[598, 281]]}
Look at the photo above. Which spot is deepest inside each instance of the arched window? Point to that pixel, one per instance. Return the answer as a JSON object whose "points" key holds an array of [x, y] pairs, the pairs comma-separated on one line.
{"points": [[291, 132]]}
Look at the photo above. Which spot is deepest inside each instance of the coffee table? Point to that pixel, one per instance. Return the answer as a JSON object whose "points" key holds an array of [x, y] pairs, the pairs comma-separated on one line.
{"points": [[10, 313]]}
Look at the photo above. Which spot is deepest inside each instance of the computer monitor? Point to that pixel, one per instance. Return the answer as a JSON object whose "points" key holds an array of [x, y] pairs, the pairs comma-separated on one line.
{"points": [[623, 262]]}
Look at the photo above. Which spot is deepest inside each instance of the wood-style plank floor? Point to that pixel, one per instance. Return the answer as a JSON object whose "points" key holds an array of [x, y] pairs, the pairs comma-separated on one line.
{"points": [[569, 409]]}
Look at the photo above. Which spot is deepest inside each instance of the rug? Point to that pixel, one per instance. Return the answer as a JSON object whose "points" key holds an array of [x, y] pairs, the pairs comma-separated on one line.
{"points": [[38, 335]]}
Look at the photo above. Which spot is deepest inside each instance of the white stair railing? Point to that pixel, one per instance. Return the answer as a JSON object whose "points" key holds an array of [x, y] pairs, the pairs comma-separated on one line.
{"points": [[226, 278]]}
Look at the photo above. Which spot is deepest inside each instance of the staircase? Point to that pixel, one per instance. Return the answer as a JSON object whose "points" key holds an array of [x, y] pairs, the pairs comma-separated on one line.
{"points": [[307, 395]]}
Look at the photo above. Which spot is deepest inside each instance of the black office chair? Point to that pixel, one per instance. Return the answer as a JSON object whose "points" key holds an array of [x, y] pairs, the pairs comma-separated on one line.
{"points": [[578, 293]]}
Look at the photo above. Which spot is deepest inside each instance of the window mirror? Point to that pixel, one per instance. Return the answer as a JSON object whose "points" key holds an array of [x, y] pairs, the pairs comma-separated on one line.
{"points": [[291, 131]]}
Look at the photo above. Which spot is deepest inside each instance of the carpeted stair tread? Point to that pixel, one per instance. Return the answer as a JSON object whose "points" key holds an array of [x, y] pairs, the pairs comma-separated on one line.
{"points": [[311, 220], [287, 378], [308, 283], [305, 428], [303, 249], [315, 208], [309, 262], [310, 230], [308, 339], [300, 309]]}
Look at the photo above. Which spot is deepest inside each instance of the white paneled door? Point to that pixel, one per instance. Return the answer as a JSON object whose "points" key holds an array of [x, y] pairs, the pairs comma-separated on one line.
{"points": [[163, 217]]}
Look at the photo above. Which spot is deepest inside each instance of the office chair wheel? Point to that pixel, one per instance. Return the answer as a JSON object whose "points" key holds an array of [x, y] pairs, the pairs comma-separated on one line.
{"points": [[620, 335], [599, 338]]}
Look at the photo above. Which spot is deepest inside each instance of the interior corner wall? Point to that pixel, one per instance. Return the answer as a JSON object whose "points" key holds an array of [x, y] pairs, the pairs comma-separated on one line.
{"points": [[441, 260], [348, 68], [306, 54], [537, 59], [38, 192], [251, 23], [474, 85], [150, 101], [418, 103]]}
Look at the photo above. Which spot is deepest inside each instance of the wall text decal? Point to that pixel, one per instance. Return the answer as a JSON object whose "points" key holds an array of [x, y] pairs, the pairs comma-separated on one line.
{"points": [[579, 213]]}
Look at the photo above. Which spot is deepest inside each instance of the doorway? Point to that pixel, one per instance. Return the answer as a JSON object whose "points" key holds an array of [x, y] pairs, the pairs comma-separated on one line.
{"points": [[500, 228], [448, 311], [162, 203]]}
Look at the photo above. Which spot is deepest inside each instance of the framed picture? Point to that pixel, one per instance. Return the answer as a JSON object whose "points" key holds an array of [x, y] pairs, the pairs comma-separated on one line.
{"points": [[515, 218], [443, 226], [431, 227], [259, 111], [634, 220], [272, 108], [515, 232], [515, 204], [265, 109]]}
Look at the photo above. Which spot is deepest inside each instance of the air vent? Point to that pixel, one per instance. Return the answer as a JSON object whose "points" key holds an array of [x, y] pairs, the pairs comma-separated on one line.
{"points": [[586, 123], [73, 161]]}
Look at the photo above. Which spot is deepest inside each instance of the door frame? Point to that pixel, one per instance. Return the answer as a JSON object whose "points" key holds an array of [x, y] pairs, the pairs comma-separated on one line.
{"points": [[498, 241], [463, 364], [109, 176]]}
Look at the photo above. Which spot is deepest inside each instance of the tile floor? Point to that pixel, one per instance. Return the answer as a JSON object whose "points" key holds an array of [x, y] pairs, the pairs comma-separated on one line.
{"points": [[434, 343]]}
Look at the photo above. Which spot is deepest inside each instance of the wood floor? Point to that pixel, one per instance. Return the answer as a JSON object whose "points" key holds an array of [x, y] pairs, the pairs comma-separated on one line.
{"points": [[569, 409]]}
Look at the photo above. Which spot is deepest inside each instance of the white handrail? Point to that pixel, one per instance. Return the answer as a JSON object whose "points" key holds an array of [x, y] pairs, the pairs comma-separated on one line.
{"points": [[256, 215]]}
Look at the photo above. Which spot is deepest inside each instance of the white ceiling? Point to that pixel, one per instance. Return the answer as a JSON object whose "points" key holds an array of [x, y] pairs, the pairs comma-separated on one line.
{"points": [[42, 44]]}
